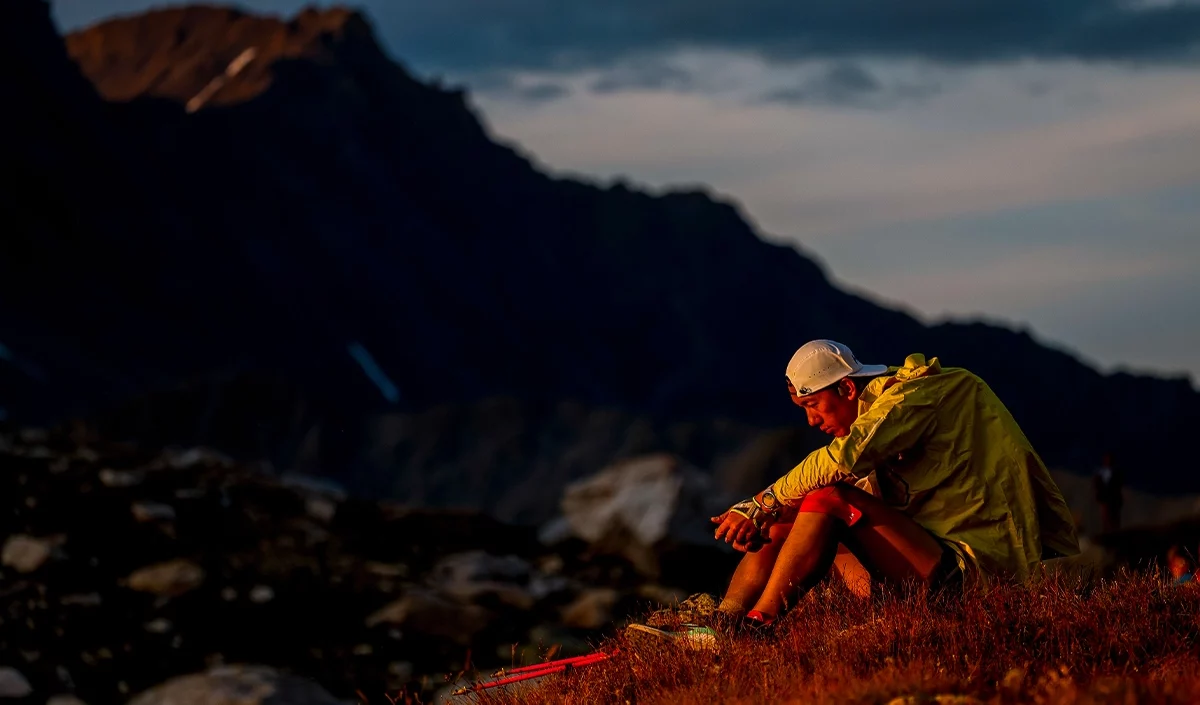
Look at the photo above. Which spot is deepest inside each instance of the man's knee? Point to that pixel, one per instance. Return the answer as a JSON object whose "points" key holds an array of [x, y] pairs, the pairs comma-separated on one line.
{"points": [[845, 503]]}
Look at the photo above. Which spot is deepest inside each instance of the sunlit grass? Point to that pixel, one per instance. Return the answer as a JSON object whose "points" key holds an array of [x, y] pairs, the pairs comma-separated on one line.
{"points": [[1129, 639]]}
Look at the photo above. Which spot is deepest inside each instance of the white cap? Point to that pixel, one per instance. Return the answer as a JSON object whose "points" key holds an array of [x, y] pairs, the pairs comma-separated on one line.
{"points": [[820, 363]]}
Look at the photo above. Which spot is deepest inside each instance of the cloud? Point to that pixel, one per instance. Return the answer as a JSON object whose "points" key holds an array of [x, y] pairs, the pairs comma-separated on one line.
{"points": [[542, 92], [540, 35], [645, 75], [1070, 269], [505, 86], [848, 84], [983, 147]]}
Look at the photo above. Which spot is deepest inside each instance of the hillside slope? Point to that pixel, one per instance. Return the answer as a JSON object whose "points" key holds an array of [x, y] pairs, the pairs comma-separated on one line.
{"points": [[327, 222]]}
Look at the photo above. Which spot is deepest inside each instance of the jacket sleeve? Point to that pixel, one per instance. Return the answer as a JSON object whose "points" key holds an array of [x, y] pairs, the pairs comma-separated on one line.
{"points": [[889, 427]]}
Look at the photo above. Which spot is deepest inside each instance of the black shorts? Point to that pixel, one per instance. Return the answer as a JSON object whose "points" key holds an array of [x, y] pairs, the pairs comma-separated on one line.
{"points": [[948, 575]]}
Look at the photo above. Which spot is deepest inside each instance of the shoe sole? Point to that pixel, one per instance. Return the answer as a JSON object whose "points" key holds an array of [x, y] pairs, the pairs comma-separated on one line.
{"points": [[705, 640]]}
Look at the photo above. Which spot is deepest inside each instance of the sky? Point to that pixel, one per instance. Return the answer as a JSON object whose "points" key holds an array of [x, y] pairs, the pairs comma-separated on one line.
{"points": [[1033, 164]]}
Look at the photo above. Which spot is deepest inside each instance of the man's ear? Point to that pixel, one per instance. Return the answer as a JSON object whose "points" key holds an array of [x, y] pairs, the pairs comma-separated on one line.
{"points": [[848, 388]]}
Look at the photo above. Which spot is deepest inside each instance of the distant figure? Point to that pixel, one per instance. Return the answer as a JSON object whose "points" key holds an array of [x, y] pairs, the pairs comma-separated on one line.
{"points": [[1109, 482], [928, 478], [1179, 565]]}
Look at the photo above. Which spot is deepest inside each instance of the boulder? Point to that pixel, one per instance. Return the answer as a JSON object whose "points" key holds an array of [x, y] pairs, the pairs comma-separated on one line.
{"points": [[168, 579], [121, 478], [188, 458], [429, 613], [83, 599], [26, 554], [476, 576], [152, 511], [632, 507], [591, 610], [237, 685], [13, 684], [321, 495]]}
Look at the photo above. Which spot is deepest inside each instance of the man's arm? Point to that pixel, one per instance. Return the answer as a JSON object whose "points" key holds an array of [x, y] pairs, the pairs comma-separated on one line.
{"points": [[889, 427]]}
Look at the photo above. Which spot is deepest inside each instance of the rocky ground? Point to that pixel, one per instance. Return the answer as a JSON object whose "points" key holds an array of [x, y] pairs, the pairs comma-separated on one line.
{"points": [[124, 567]]}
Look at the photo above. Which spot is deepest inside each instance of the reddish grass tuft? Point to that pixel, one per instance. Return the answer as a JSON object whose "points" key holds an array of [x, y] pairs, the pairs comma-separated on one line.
{"points": [[1129, 639]]}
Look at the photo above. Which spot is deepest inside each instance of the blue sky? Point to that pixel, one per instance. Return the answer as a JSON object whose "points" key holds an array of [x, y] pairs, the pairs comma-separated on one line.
{"points": [[1030, 163]]}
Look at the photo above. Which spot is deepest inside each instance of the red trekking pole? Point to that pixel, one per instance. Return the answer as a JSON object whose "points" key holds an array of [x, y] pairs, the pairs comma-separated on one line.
{"points": [[537, 670]]}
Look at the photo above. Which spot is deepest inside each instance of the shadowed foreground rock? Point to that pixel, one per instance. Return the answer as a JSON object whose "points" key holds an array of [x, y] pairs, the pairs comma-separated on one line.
{"points": [[102, 599], [237, 685]]}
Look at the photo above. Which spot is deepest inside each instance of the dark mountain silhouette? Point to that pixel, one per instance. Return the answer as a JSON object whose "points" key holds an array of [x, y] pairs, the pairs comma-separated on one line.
{"points": [[322, 247]]}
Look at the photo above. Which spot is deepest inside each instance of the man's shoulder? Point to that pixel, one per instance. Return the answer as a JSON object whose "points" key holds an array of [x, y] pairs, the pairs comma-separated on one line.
{"points": [[916, 374]]}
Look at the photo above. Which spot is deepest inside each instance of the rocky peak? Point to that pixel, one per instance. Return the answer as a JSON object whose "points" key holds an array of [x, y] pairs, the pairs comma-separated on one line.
{"points": [[218, 54]]}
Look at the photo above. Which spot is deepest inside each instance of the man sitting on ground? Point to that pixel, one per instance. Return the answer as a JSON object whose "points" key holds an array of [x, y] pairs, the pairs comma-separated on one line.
{"points": [[928, 479]]}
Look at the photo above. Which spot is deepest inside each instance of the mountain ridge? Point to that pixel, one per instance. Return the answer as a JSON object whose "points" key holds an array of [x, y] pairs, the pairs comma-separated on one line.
{"points": [[326, 212]]}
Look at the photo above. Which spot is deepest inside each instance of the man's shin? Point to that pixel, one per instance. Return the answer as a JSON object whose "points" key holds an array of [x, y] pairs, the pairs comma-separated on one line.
{"points": [[752, 574]]}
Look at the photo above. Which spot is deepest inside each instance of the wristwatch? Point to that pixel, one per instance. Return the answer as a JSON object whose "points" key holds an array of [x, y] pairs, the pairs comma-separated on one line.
{"points": [[754, 509], [769, 503]]}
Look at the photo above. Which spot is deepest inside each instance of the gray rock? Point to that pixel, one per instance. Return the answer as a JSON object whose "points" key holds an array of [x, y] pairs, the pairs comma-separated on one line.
{"points": [[555, 531], [87, 455], [26, 554], [665, 596], [152, 511], [651, 497], [191, 457], [400, 670], [591, 610], [261, 594], [121, 478], [13, 684], [236, 685], [33, 435], [387, 570], [89, 599], [321, 508], [633, 506], [470, 576], [427, 612], [311, 484], [159, 626], [64, 677], [168, 579]]}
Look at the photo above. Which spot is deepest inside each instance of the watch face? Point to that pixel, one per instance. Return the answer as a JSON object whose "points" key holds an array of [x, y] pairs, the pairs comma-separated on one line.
{"points": [[768, 499]]}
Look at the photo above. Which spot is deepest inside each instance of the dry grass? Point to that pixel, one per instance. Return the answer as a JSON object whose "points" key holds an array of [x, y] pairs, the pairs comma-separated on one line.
{"points": [[1131, 639]]}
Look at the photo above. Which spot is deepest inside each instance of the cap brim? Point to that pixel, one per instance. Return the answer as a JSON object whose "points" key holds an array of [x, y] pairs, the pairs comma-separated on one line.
{"points": [[870, 371]]}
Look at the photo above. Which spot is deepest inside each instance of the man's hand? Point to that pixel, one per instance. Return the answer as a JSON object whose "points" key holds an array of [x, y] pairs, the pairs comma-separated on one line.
{"points": [[743, 526]]}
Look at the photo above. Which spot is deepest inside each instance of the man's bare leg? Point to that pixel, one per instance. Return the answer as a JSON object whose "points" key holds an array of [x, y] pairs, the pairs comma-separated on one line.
{"points": [[882, 537], [753, 572], [805, 558], [856, 577]]}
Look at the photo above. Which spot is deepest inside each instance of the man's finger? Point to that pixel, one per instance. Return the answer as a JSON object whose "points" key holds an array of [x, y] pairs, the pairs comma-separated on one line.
{"points": [[732, 533], [719, 518]]}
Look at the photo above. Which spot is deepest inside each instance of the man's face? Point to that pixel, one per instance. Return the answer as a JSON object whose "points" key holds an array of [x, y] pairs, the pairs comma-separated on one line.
{"points": [[827, 411]]}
